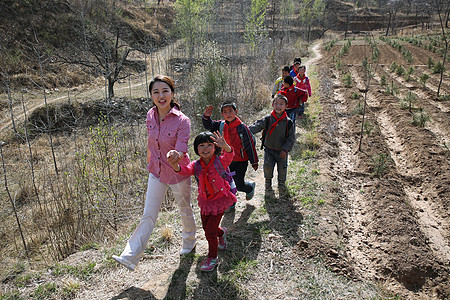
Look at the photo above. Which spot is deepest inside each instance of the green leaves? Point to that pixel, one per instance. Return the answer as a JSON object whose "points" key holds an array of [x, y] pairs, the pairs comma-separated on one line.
{"points": [[255, 29]]}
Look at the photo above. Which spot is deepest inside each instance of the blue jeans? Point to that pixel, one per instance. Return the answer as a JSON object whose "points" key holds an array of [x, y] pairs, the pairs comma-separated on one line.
{"points": [[272, 157], [292, 113]]}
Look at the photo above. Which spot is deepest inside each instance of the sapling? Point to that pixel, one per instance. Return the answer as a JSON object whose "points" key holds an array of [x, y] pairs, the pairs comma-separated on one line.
{"points": [[420, 118], [347, 80], [423, 79], [408, 101]]}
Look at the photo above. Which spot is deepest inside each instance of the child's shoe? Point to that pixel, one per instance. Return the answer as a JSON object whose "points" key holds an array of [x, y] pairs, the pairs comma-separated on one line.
{"points": [[249, 195], [223, 239], [124, 262], [208, 264]]}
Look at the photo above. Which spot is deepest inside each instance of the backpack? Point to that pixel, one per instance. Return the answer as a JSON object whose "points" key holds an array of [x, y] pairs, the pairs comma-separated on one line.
{"points": [[222, 125], [266, 128], [224, 173]]}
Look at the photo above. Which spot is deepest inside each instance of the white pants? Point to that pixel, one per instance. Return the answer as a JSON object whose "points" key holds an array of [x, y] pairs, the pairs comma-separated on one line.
{"points": [[156, 191]]}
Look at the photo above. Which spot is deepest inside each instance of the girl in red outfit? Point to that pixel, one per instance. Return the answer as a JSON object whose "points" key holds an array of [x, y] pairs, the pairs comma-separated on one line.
{"points": [[214, 195]]}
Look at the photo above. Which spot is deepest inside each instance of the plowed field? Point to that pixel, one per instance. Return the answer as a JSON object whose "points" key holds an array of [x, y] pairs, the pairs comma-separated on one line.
{"points": [[396, 226]]}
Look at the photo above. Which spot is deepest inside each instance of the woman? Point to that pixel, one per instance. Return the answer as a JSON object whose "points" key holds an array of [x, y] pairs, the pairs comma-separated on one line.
{"points": [[168, 128]]}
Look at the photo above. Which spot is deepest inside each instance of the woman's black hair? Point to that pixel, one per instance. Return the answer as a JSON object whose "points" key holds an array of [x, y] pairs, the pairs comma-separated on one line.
{"points": [[169, 81], [205, 137]]}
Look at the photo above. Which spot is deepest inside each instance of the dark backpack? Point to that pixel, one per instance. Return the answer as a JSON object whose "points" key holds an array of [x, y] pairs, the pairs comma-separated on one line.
{"points": [[224, 173], [266, 128]]}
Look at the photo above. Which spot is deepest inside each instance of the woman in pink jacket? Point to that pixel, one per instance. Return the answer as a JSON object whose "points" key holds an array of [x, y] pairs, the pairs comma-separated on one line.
{"points": [[214, 194], [168, 129]]}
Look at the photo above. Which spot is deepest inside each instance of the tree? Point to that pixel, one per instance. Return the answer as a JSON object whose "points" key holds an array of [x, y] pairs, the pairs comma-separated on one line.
{"points": [[311, 12], [287, 11], [193, 18], [101, 45], [443, 7], [255, 29]]}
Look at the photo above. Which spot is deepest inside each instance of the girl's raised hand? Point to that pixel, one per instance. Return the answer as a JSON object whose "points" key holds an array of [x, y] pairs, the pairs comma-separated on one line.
{"points": [[220, 142]]}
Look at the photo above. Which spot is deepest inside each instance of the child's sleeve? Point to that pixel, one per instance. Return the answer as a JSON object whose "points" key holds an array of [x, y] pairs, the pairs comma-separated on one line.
{"points": [[308, 86], [227, 157], [257, 126], [275, 87], [187, 170], [210, 124], [302, 95], [290, 139], [249, 145]]}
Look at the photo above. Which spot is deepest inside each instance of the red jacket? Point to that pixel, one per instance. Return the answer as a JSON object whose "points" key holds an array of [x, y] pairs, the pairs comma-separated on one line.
{"points": [[294, 95]]}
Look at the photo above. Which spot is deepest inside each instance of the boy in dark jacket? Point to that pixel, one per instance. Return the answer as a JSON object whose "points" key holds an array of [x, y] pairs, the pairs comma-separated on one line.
{"points": [[296, 97], [238, 136], [278, 140]]}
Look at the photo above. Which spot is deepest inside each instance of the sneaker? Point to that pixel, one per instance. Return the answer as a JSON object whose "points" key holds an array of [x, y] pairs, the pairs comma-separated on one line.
{"points": [[249, 195], [186, 251], [124, 262], [223, 239], [208, 264]]}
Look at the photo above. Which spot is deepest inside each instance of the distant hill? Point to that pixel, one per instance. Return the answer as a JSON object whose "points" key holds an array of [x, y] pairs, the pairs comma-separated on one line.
{"points": [[49, 27]]}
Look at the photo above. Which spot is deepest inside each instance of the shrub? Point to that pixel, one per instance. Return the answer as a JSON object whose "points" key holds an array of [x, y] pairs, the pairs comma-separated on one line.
{"points": [[408, 101], [409, 73], [423, 79], [380, 163], [359, 109], [430, 63], [393, 66], [400, 71], [420, 118], [368, 128], [444, 97], [392, 89], [437, 68], [338, 64], [355, 95], [347, 80]]}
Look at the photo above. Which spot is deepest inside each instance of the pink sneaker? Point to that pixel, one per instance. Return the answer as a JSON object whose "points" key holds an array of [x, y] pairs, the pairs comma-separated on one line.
{"points": [[223, 239], [208, 264]]}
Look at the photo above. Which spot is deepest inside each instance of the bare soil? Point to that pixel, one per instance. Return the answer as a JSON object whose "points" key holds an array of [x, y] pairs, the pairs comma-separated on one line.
{"points": [[395, 228]]}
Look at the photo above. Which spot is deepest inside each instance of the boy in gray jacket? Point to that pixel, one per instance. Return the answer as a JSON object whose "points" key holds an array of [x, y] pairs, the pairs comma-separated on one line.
{"points": [[277, 139]]}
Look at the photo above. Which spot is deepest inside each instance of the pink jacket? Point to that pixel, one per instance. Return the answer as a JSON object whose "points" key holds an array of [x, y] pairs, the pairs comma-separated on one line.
{"points": [[223, 197], [303, 83], [172, 133]]}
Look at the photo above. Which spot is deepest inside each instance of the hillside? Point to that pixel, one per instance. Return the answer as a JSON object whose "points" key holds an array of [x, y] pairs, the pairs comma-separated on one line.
{"points": [[41, 33]]}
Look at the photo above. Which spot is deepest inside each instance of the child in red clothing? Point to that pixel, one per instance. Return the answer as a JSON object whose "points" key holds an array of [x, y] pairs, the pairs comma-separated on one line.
{"points": [[214, 195], [302, 82], [296, 97]]}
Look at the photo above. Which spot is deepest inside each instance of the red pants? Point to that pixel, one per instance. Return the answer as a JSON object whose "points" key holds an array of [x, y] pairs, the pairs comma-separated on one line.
{"points": [[212, 232]]}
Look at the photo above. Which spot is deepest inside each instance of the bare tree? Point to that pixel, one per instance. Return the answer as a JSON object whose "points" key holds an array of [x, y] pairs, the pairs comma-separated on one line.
{"points": [[102, 47], [443, 7], [13, 204]]}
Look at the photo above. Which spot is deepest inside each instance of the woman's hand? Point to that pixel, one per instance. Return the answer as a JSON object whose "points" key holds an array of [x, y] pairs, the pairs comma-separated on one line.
{"points": [[173, 158], [220, 142]]}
